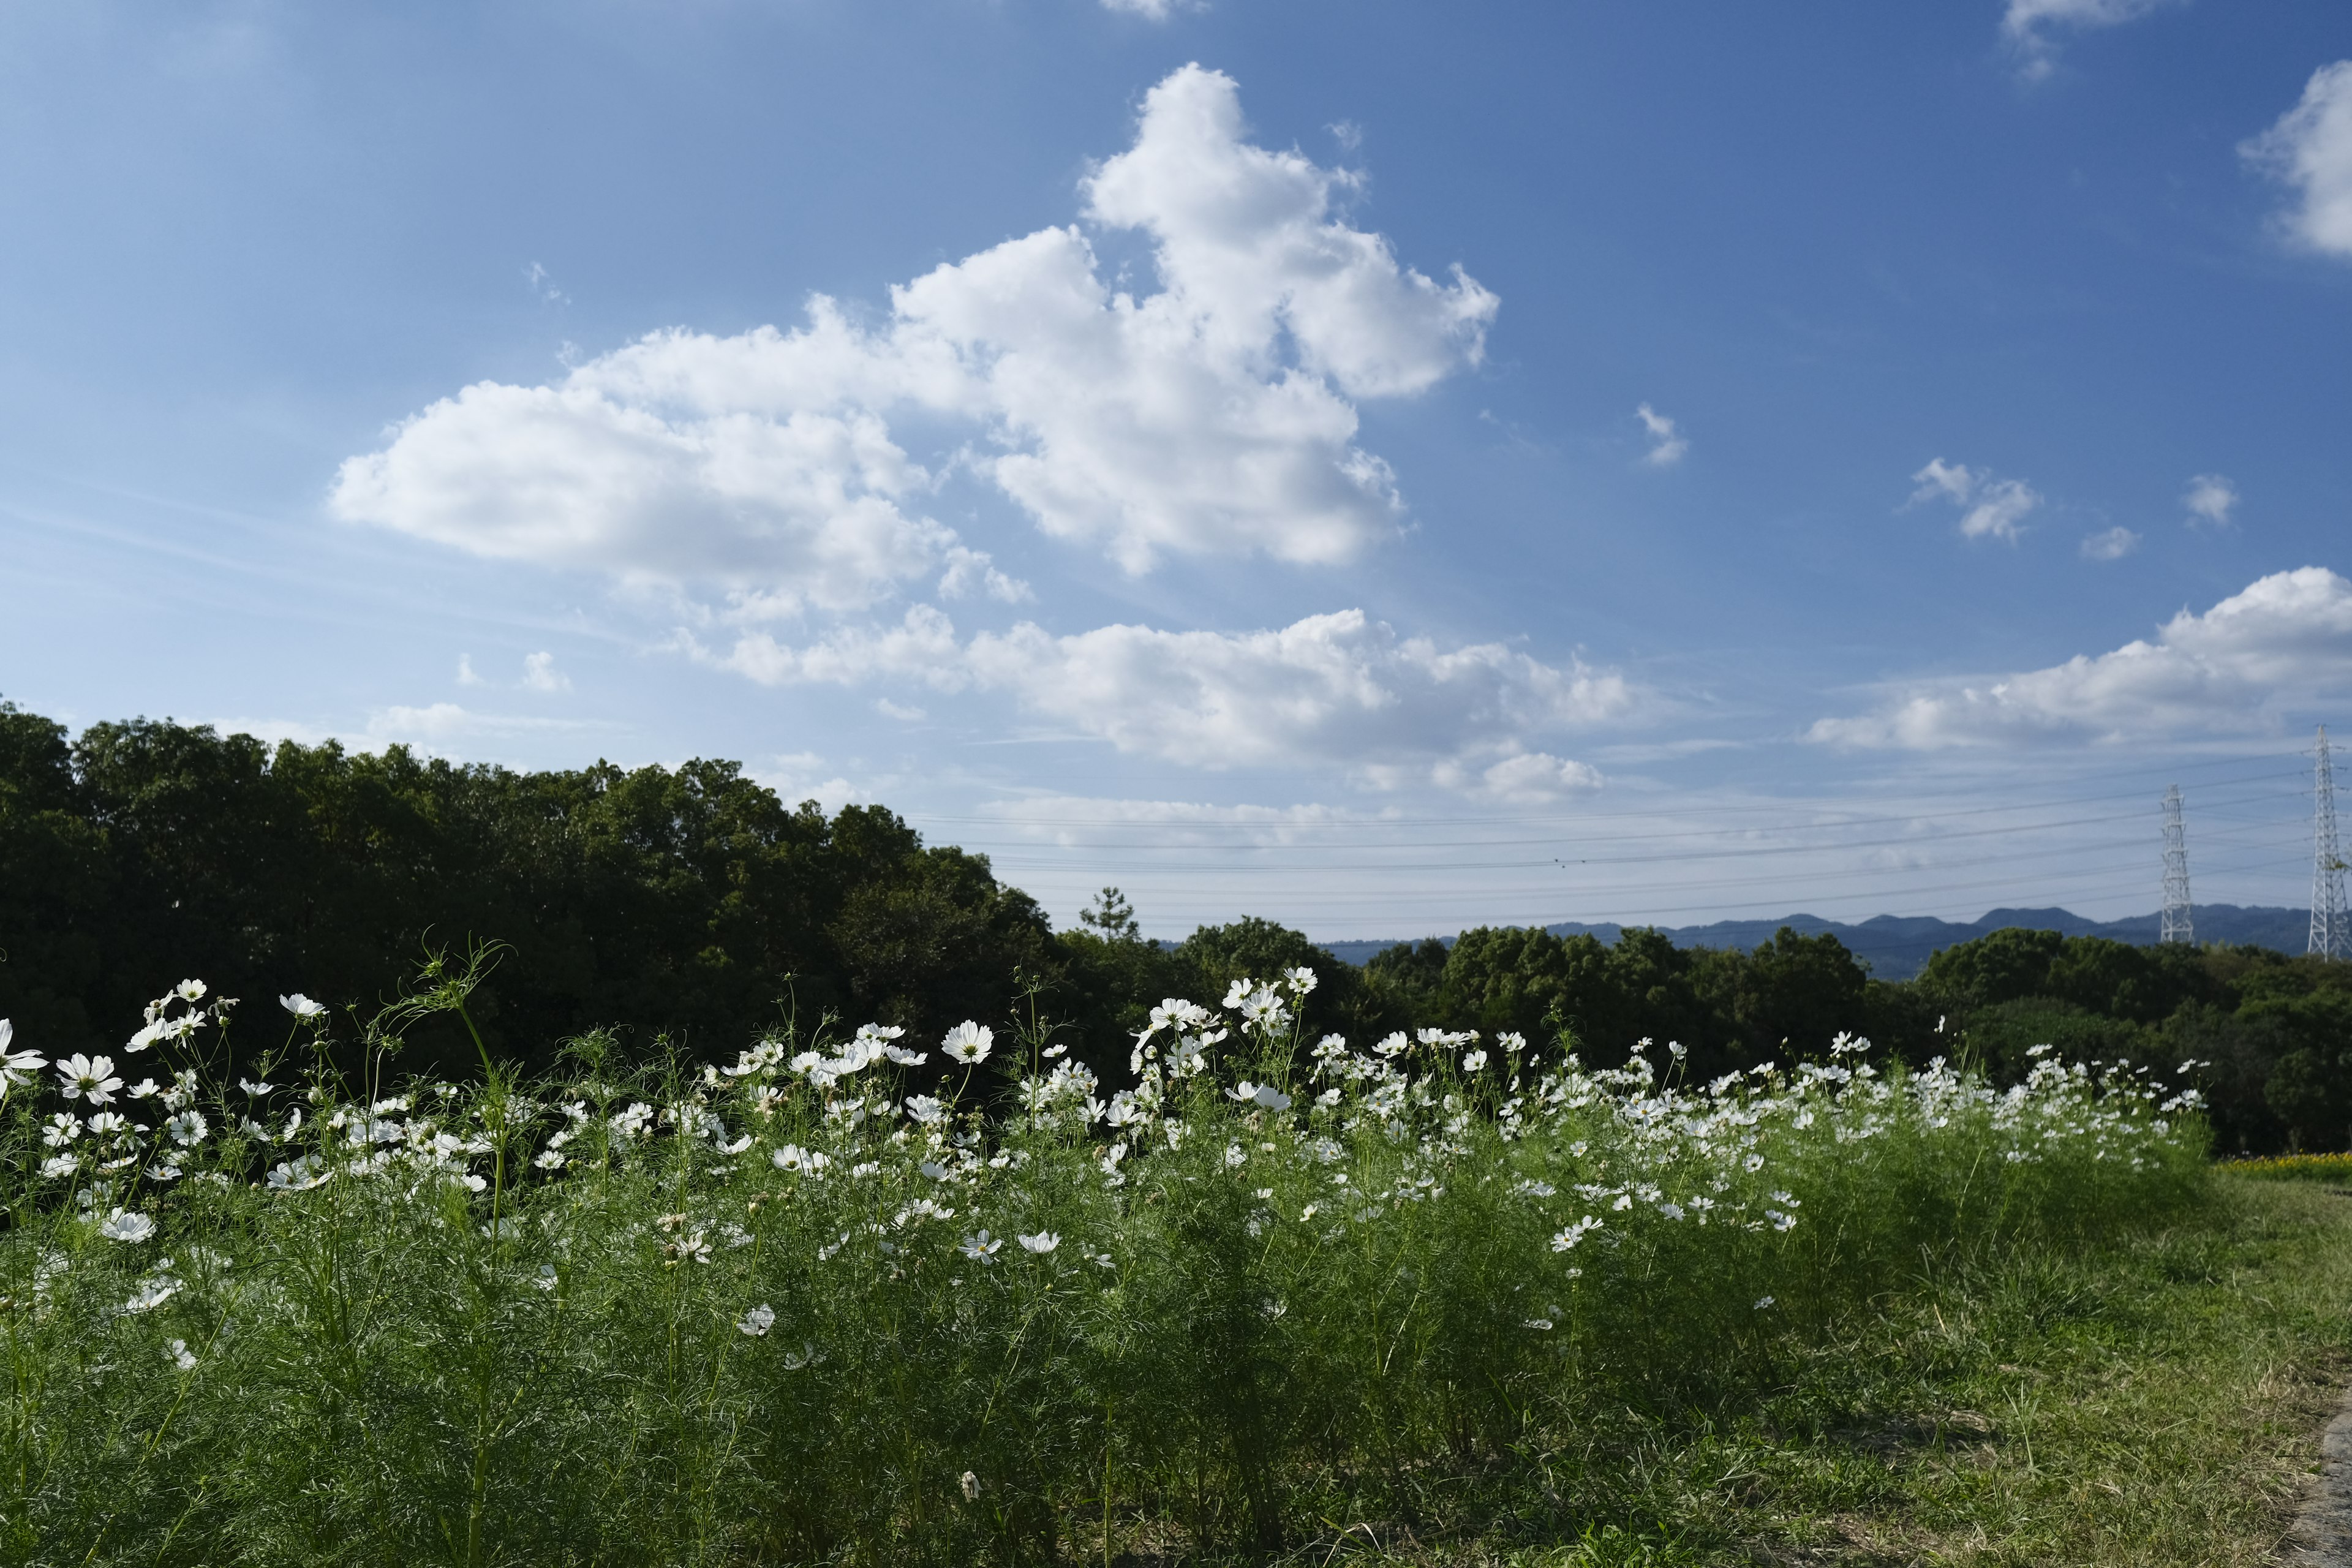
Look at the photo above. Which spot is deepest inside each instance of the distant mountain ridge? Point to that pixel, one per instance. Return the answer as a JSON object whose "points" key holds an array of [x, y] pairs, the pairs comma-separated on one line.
{"points": [[1896, 947]]}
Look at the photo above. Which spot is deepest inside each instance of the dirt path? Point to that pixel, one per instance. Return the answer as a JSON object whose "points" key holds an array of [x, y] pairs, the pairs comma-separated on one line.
{"points": [[2322, 1537]]}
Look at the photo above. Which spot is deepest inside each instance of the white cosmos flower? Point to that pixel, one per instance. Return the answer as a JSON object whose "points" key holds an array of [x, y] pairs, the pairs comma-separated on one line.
{"points": [[254, 1090], [17, 1066], [1473, 1060], [1567, 1238], [189, 991], [1302, 980], [926, 1109], [152, 1293], [59, 1165], [758, 1321], [300, 1175], [182, 1356], [123, 1225], [88, 1077], [187, 1129], [1265, 1094], [301, 1006], [1763, 1302], [1044, 1241], [981, 1249], [799, 1161], [968, 1043]]}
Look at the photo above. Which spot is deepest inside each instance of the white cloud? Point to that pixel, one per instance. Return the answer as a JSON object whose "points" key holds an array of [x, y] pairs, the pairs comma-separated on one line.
{"points": [[1216, 416], [1150, 10], [1989, 507], [1668, 443], [2211, 498], [968, 569], [2028, 26], [1339, 687], [2310, 149], [898, 710], [1536, 776], [2285, 638], [1068, 818], [430, 726], [466, 676], [540, 674], [796, 777], [2113, 544]]}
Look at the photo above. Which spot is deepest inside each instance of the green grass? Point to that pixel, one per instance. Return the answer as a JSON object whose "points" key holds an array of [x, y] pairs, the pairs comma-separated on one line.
{"points": [[2155, 1402], [1434, 1300]]}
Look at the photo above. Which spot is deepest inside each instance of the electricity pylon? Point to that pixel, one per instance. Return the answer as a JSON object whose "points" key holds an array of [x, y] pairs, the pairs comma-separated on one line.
{"points": [[2330, 937], [2178, 926]]}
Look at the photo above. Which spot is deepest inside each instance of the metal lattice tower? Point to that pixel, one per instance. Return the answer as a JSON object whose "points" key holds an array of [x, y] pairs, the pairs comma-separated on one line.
{"points": [[2177, 927], [2330, 935]]}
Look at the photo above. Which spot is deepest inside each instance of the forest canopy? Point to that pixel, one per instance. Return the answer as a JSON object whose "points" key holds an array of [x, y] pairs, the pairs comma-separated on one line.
{"points": [[689, 908]]}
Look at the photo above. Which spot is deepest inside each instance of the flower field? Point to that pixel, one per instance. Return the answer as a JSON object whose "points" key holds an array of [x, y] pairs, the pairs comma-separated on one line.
{"points": [[860, 1298]]}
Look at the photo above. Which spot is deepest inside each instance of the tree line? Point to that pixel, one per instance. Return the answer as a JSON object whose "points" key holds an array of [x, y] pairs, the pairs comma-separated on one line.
{"points": [[689, 908]]}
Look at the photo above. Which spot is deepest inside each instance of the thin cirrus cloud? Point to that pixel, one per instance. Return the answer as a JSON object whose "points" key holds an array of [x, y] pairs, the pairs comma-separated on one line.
{"points": [[1990, 508], [2032, 27], [2110, 544], [1668, 443], [2285, 639], [2309, 150], [1338, 688], [1215, 416]]}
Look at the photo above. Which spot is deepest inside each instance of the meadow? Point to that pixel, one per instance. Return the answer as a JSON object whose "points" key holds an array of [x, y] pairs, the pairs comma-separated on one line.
{"points": [[860, 1298]]}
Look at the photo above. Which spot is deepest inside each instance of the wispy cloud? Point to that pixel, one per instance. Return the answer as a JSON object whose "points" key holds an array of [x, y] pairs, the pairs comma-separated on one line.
{"points": [[2211, 500], [1990, 508], [540, 674], [2113, 544], [2033, 28], [1668, 443]]}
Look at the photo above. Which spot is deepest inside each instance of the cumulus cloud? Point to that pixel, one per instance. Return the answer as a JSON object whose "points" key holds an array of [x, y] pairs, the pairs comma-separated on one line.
{"points": [[2031, 26], [1668, 443], [2113, 544], [1532, 777], [1989, 507], [1334, 688], [2310, 149], [2285, 638], [798, 777], [1150, 10], [2211, 498], [1214, 415], [540, 674]]}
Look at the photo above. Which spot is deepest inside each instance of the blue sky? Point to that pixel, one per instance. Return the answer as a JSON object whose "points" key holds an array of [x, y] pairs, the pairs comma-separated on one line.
{"points": [[1381, 466]]}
